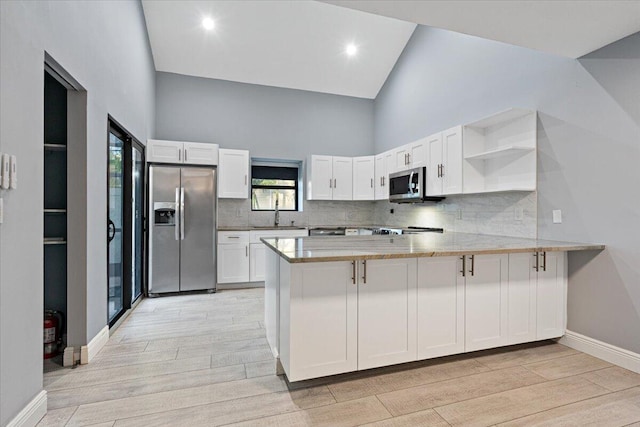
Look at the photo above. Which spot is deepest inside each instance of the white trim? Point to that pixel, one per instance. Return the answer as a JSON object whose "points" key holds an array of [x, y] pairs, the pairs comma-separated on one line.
{"points": [[69, 357], [88, 352], [32, 413], [612, 354]]}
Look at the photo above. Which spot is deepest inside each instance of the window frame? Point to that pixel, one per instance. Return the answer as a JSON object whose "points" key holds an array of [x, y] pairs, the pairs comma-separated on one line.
{"points": [[295, 187]]}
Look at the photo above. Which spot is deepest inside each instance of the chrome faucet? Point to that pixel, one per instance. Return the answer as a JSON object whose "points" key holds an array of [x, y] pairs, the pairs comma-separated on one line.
{"points": [[277, 214]]}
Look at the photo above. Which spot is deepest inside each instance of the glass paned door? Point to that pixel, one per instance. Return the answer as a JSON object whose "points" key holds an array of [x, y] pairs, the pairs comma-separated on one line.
{"points": [[115, 226], [137, 221]]}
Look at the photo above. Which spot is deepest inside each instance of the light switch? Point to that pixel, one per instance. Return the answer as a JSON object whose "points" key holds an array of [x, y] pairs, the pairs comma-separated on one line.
{"points": [[13, 165], [557, 216]]}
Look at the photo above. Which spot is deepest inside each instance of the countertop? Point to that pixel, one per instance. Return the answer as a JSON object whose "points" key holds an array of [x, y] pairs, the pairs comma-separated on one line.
{"points": [[262, 228], [341, 248]]}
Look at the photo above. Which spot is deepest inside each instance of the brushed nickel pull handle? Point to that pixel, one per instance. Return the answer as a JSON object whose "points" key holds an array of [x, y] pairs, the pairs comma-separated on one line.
{"points": [[233, 237], [353, 272], [371, 182], [179, 154], [537, 265], [185, 154], [544, 261], [408, 158], [473, 265], [464, 265], [330, 183], [335, 183], [364, 275], [381, 182], [441, 170], [245, 179]]}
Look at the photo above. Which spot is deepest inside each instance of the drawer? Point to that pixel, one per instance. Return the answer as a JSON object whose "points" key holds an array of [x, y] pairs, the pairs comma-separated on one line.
{"points": [[233, 237], [256, 235]]}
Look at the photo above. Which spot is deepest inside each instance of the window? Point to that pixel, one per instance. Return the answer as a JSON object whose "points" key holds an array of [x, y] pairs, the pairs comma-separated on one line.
{"points": [[271, 183]]}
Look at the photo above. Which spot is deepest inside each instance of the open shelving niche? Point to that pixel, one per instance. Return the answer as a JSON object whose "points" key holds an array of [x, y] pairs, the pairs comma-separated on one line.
{"points": [[499, 152]]}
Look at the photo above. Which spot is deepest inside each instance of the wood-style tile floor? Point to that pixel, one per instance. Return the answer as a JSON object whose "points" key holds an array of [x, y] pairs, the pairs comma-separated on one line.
{"points": [[203, 360]]}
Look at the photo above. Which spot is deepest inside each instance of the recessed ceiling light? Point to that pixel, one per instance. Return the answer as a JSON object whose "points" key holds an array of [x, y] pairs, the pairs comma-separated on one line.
{"points": [[351, 49], [208, 23]]}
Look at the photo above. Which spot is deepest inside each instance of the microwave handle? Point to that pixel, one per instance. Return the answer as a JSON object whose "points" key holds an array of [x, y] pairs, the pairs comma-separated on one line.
{"points": [[410, 182]]}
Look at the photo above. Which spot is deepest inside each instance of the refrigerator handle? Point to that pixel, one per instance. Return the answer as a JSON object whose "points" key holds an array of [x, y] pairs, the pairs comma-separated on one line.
{"points": [[181, 213], [178, 220]]}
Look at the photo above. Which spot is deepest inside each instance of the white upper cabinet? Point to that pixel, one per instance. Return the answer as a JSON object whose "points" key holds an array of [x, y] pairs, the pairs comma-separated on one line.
{"points": [[444, 171], [500, 152], [409, 156], [200, 154], [194, 153], [329, 178], [384, 165], [363, 178], [233, 174]]}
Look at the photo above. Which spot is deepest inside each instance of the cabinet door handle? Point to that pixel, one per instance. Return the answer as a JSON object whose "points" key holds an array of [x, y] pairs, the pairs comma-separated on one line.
{"points": [[544, 261], [536, 266], [179, 154], [384, 181], [371, 182], [473, 265], [330, 183], [441, 170], [246, 251], [353, 272], [408, 158], [464, 266], [380, 181], [364, 271], [245, 179], [185, 154], [335, 183]]}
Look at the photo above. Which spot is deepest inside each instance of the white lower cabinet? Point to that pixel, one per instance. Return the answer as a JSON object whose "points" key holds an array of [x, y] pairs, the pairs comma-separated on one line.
{"points": [[551, 295], [387, 303], [440, 307], [233, 256], [319, 319], [337, 317], [256, 262], [486, 282]]}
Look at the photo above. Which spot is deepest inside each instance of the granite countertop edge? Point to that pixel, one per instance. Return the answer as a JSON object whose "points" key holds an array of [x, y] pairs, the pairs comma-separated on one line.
{"points": [[528, 245]]}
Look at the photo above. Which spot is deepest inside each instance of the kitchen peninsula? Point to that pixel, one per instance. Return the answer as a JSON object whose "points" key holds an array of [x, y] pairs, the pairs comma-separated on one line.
{"points": [[335, 305]]}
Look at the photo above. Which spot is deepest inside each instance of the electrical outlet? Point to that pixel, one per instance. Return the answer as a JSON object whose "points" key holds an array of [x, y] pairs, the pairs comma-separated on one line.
{"points": [[557, 216], [519, 214]]}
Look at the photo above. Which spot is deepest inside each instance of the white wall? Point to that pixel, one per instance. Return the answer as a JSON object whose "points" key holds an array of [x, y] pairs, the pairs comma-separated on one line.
{"points": [[104, 46], [588, 142]]}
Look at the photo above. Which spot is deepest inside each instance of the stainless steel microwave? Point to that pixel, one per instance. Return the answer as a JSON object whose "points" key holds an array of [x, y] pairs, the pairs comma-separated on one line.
{"points": [[410, 186]]}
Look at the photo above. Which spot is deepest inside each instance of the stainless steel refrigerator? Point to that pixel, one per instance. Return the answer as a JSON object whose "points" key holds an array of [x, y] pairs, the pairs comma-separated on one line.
{"points": [[182, 231]]}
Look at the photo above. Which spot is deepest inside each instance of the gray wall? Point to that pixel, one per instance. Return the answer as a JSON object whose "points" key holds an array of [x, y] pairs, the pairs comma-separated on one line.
{"points": [[270, 122], [103, 44], [588, 141]]}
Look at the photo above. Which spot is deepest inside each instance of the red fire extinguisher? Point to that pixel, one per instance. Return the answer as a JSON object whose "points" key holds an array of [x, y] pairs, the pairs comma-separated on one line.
{"points": [[52, 333]]}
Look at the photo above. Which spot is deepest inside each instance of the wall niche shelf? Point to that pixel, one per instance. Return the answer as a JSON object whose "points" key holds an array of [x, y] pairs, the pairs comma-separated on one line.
{"points": [[500, 153]]}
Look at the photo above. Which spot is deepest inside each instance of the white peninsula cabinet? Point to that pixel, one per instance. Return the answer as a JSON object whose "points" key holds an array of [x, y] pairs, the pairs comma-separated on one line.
{"points": [[233, 174], [326, 318], [346, 315], [537, 296]]}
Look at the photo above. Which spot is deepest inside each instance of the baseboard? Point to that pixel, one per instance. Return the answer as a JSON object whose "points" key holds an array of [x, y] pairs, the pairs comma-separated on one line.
{"points": [[88, 352], [69, 357], [32, 413], [610, 353], [243, 285]]}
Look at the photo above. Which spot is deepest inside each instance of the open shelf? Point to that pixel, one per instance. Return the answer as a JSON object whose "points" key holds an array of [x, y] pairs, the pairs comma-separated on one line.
{"points": [[500, 190], [500, 118], [499, 152], [55, 147]]}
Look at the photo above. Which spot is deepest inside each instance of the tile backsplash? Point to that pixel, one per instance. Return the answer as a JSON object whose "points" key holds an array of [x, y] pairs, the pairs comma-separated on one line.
{"points": [[238, 213], [507, 214]]}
